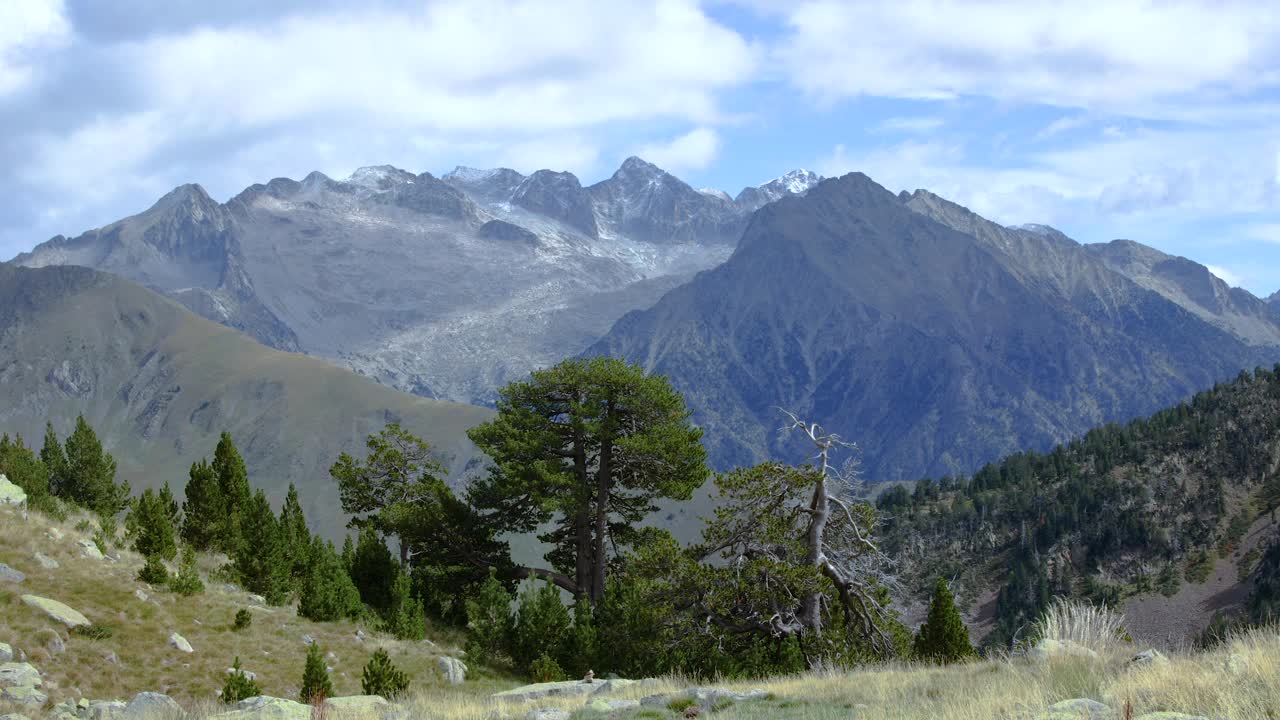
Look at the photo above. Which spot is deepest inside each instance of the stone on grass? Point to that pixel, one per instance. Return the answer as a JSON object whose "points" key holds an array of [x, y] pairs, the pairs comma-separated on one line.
{"points": [[257, 599], [6, 653], [567, 688], [56, 610], [547, 714], [1049, 648], [1078, 709], [45, 561], [19, 674], [1148, 658], [11, 494], [1162, 715], [8, 574], [152, 706], [106, 709], [453, 669], [89, 549], [140, 594], [308, 640], [24, 695], [354, 707], [608, 706], [247, 673], [179, 643], [265, 707]]}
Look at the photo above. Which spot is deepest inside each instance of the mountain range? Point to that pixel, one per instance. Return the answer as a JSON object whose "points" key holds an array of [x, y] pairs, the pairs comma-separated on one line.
{"points": [[444, 287]]}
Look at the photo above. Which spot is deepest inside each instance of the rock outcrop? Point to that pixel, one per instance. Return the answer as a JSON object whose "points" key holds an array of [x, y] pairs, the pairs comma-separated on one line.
{"points": [[56, 610]]}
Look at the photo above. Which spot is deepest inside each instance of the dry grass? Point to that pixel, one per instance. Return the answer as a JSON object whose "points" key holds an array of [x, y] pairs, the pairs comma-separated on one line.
{"points": [[1096, 628]]}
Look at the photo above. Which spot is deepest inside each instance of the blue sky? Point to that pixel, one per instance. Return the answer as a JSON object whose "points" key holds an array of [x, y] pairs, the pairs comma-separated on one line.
{"points": [[1156, 122]]}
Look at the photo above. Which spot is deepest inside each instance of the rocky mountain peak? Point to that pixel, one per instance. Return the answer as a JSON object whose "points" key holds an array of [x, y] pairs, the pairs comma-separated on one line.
{"points": [[558, 195], [492, 185], [380, 178], [794, 182]]}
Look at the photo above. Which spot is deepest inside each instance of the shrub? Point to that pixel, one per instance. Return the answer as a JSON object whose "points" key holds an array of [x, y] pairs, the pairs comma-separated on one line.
{"points": [[381, 677], [542, 625], [406, 618], [545, 669], [238, 686], [489, 623], [1199, 566], [1169, 581], [315, 678], [93, 632], [943, 638], [243, 620], [187, 581], [1089, 626], [327, 591], [154, 571]]}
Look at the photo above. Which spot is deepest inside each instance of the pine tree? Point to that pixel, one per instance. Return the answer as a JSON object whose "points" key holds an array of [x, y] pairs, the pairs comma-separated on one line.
{"points": [[154, 572], [233, 488], [580, 652], [327, 593], [150, 527], [238, 686], [170, 506], [295, 536], [187, 581], [316, 687], [259, 561], [54, 459], [943, 638], [489, 623], [203, 508], [348, 554], [542, 624], [373, 569], [20, 464], [406, 618], [90, 475], [380, 677]]}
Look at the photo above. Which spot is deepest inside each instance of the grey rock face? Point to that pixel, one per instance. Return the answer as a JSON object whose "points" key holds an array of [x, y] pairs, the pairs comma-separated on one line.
{"points": [[6, 653], [152, 706], [645, 202], [19, 674], [453, 669], [560, 196], [796, 182]]}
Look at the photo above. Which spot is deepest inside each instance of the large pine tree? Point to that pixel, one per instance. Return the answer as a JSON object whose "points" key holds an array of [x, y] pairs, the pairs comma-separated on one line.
{"points": [[373, 569], [150, 526], [54, 459], [259, 561], [295, 536], [327, 593], [233, 486], [204, 507], [943, 638], [90, 474]]}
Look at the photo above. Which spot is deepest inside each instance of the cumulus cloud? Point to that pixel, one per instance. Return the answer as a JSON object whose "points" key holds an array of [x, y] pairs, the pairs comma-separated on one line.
{"points": [[28, 28], [693, 150], [1111, 54]]}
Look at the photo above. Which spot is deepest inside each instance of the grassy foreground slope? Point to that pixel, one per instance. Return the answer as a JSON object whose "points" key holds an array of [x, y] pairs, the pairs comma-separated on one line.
{"points": [[160, 384]]}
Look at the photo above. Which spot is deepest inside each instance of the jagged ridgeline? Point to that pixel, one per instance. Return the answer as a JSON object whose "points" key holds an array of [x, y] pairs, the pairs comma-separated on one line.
{"points": [[1169, 518]]}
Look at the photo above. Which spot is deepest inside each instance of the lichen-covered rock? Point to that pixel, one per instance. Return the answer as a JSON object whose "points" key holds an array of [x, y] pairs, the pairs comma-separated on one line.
{"points": [[453, 669], [11, 494], [6, 652], [152, 706], [24, 695], [89, 549], [354, 707], [8, 574], [45, 561], [14, 716], [265, 707], [602, 705], [547, 714], [179, 643], [19, 674], [106, 709], [1049, 648], [1078, 709], [56, 610]]}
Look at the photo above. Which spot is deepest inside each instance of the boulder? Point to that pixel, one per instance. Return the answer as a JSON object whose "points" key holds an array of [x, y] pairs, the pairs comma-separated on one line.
{"points": [[89, 549], [567, 688], [24, 695], [601, 705], [141, 594], [45, 561], [54, 642], [151, 706], [1078, 709], [106, 709], [453, 669], [1049, 648], [265, 707], [547, 714], [1148, 658], [257, 599], [354, 707], [56, 610], [179, 643], [1162, 715], [11, 494], [19, 674], [55, 534], [14, 716], [308, 640], [6, 652], [8, 574]]}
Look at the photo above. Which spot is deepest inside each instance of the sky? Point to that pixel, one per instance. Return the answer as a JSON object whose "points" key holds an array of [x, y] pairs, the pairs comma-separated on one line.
{"points": [[1153, 121]]}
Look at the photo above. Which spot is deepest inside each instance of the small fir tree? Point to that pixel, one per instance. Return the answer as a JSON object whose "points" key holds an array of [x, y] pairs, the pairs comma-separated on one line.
{"points": [[542, 624], [150, 526], [90, 474], [203, 508], [20, 464], [154, 572], [54, 459], [327, 592], [295, 536], [943, 638], [348, 554], [406, 618], [544, 669], [243, 620], [233, 489], [373, 569], [381, 677], [170, 507], [580, 656], [238, 686], [316, 687], [489, 623], [259, 561], [187, 582]]}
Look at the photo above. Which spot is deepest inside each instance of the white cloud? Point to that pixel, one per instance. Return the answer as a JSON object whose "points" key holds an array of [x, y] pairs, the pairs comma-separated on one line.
{"points": [[693, 150], [1102, 54], [918, 124], [1226, 275], [1266, 232], [28, 28]]}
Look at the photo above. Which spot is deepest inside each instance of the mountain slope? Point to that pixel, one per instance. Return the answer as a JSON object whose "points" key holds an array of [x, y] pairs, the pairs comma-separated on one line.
{"points": [[445, 287], [935, 349], [159, 384]]}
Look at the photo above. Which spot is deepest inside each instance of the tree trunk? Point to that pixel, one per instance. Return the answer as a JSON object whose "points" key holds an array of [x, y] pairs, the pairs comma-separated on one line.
{"points": [[820, 513], [582, 519], [603, 482]]}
